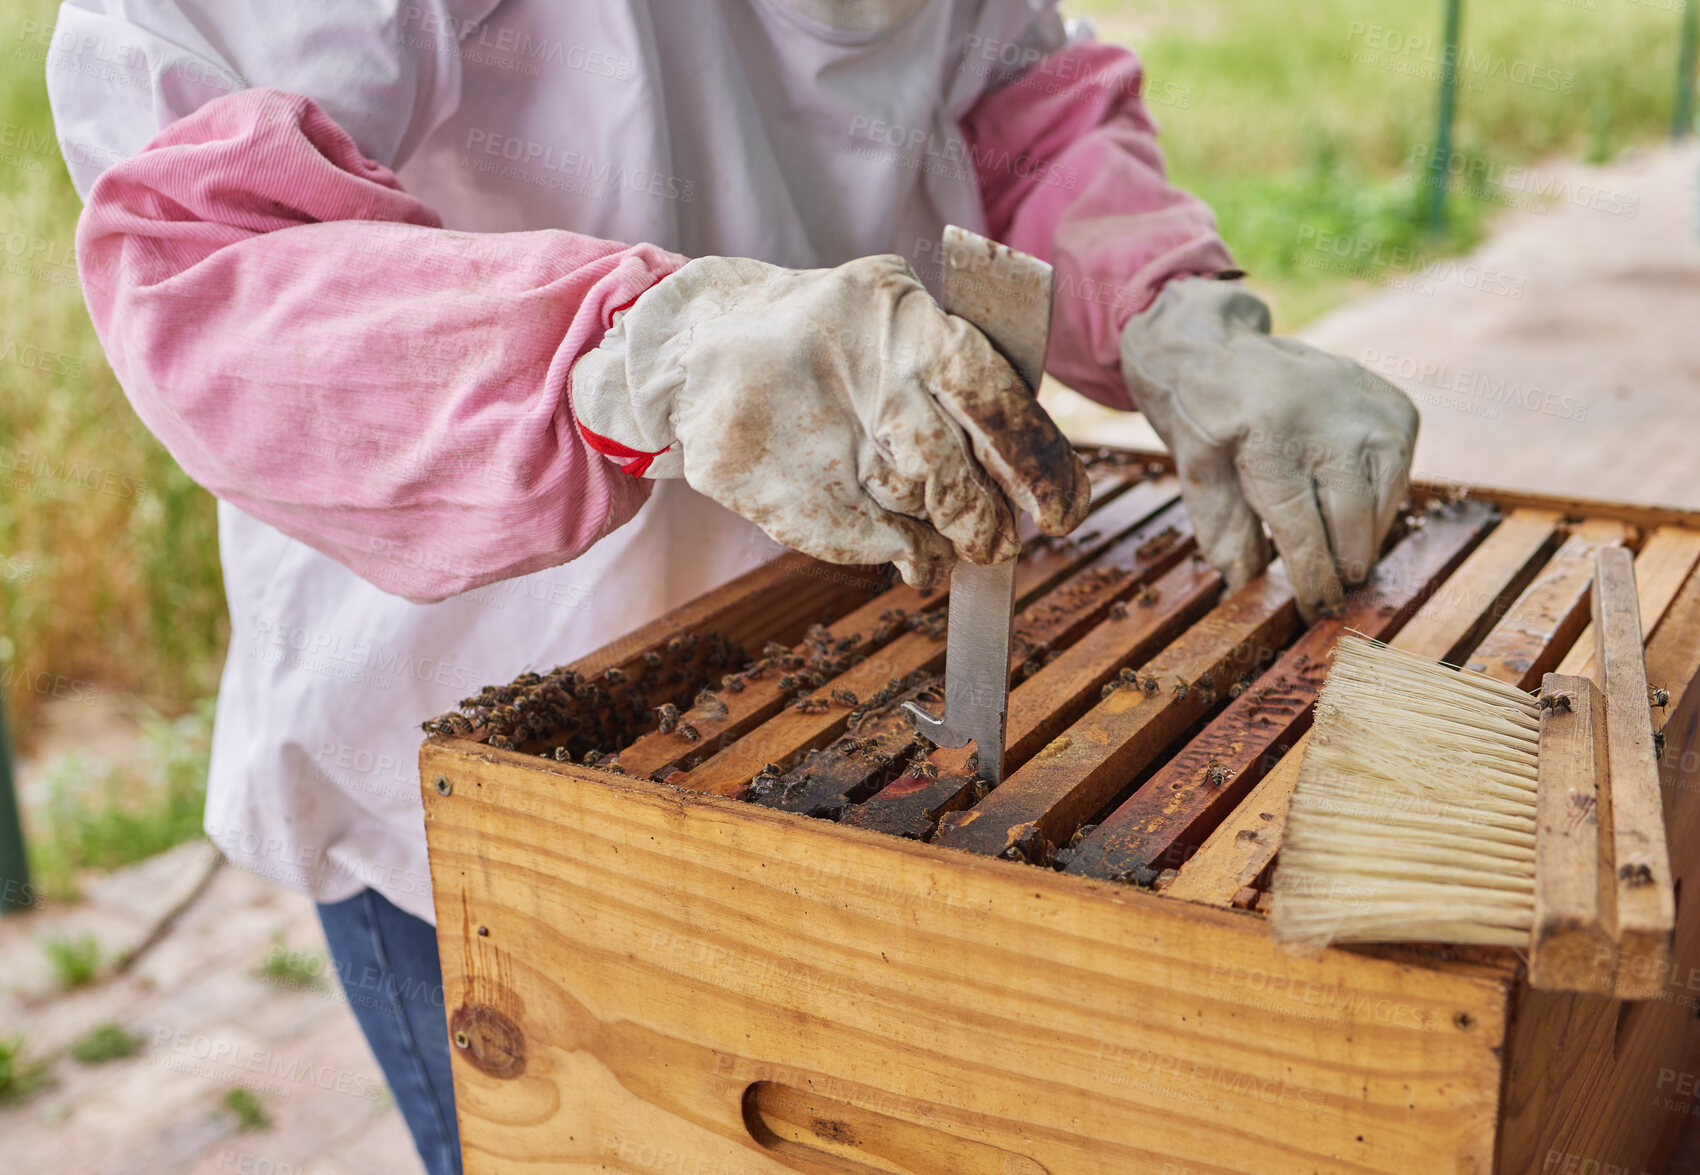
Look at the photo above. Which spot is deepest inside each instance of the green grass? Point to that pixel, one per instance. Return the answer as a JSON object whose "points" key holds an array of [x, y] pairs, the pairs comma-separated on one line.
{"points": [[76, 960], [297, 970], [1274, 120], [107, 817], [20, 1074], [245, 1104], [105, 1042], [108, 553]]}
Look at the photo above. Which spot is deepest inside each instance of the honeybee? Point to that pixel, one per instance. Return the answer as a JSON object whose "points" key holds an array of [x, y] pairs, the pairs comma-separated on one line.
{"points": [[1180, 689], [1148, 598], [1150, 685], [924, 770], [1118, 610], [1216, 774], [669, 717], [690, 732], [846, 697]]}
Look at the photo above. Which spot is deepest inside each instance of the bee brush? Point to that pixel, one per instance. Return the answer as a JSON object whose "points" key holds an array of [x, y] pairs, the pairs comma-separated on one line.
{"points": [[1439, 805]]}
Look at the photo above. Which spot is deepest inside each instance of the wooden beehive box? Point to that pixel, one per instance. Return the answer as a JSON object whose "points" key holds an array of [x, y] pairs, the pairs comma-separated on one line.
{"points": [[780, 937]]}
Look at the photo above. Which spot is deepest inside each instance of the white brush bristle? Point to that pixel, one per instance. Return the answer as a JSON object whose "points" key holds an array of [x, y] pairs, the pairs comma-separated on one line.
{"points": [[1413, 819]]}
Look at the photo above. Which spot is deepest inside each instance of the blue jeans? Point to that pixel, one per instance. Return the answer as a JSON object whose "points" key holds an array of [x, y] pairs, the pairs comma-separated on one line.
{"points": [[387, 961]]}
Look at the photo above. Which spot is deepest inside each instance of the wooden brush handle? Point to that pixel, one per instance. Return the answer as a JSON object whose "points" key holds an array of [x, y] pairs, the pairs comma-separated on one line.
{"points": [[1645, 897], [1572, 946]]}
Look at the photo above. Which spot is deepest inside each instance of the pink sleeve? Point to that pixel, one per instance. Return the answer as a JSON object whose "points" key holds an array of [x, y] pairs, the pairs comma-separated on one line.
{"points": [[1068, 164], [311, 346]]}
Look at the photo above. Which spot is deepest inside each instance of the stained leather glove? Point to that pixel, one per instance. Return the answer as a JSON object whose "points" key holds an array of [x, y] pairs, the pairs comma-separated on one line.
{"points": [[841, 410], [1272, 429]]}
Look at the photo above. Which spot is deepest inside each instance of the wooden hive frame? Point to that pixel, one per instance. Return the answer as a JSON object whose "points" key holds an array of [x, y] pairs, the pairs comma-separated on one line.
{"points": [[863, 968]]}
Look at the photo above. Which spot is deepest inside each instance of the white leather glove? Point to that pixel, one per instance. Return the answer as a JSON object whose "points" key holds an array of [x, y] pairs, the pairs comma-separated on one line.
{"points": [[1272, 429], [841, 410]]}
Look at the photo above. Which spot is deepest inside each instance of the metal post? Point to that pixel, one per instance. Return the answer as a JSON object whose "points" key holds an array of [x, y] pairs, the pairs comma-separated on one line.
{"points": [[1682, 111], [15, 890], [1443, 131]]}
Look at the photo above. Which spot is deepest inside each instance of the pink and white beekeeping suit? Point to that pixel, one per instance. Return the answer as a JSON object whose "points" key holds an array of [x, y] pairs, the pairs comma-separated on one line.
{"points": [[343, 259]]}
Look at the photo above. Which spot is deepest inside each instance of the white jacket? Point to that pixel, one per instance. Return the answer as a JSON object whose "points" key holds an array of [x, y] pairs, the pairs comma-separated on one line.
{"points": [[702, 126]]}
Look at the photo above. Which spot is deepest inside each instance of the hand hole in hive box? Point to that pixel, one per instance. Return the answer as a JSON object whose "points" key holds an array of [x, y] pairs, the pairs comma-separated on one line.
{"points": [[824, 1136]]}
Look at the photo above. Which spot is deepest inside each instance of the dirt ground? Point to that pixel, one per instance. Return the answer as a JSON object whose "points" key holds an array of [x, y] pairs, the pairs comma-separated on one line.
{"points": [[1562, 356]]}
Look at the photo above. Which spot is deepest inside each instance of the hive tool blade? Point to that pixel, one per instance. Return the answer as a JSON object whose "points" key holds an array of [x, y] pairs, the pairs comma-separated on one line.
{"points": [[1007, 294]]}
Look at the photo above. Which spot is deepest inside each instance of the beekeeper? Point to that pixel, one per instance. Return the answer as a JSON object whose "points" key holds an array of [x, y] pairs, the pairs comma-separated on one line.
{"points": [[499, 328]]}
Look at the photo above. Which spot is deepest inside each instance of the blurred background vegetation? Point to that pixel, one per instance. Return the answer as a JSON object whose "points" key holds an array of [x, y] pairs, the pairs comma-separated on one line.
{"points": [[1286, 116]]}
